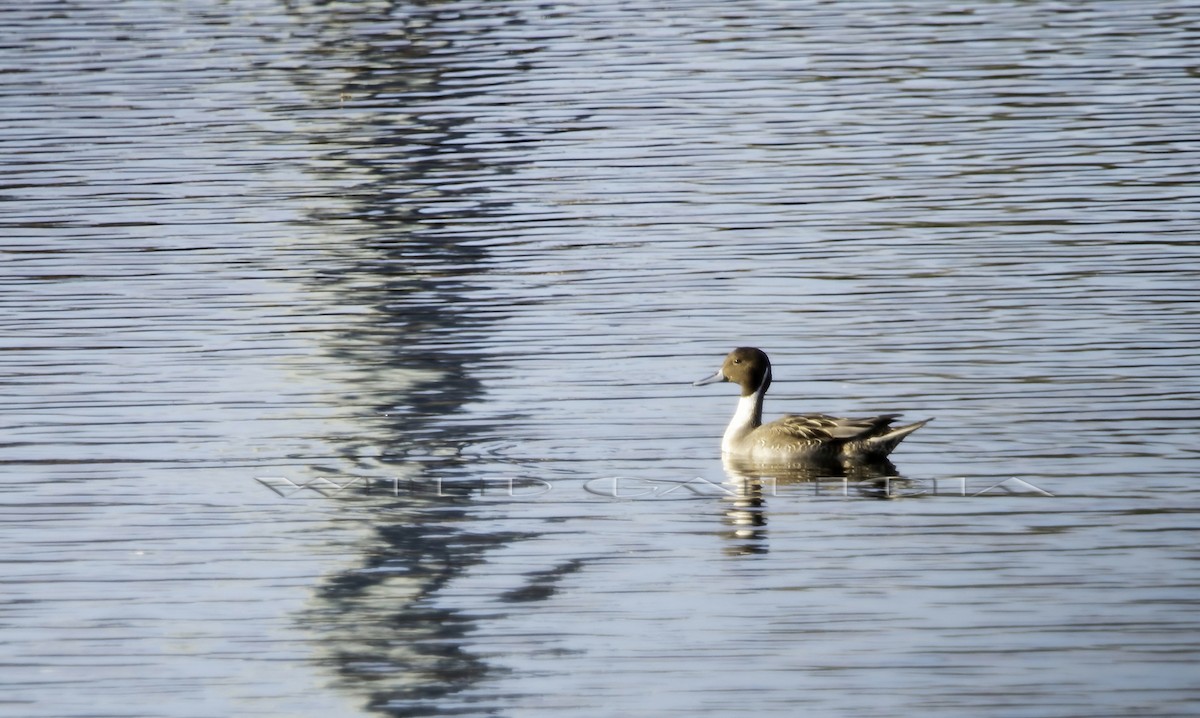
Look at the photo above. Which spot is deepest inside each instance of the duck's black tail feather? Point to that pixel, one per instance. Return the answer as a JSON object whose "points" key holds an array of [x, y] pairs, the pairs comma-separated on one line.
{"points": [[882, 444]]}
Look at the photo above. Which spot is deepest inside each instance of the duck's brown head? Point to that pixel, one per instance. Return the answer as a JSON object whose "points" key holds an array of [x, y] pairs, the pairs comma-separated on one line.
{"points": [[747, 367]]}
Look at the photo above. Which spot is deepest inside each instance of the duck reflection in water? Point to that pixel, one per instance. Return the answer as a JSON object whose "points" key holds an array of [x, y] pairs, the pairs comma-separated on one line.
{"points": [[749, 483]]}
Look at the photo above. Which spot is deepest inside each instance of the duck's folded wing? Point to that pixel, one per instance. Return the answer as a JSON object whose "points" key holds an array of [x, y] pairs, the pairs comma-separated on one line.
{"points": [[822, 428]]}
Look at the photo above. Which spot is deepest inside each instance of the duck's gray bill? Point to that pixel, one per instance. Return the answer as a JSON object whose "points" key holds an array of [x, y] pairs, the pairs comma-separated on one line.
{"points": [[711, 380]]}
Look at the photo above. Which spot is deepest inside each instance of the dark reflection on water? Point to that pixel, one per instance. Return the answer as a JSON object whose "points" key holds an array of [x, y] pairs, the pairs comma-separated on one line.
{"points": [[406, 253], [377, 625]]}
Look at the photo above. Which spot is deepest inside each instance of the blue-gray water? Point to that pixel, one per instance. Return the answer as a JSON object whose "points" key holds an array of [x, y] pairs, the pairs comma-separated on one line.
{"points": [[330, 329]]}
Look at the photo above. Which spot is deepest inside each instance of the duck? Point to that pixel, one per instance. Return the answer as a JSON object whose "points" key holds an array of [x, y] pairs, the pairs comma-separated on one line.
{"points": [[797, 437]]}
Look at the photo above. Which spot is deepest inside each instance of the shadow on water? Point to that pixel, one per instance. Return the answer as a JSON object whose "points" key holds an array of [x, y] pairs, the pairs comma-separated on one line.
{"points": [[749, 486], [409, 259]]}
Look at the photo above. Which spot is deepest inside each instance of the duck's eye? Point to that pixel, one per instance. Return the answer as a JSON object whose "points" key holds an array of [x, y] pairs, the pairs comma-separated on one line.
{"points": [[737, 361]]}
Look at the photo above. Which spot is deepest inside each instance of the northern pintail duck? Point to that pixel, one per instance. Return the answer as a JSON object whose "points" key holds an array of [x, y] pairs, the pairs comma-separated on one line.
{"points": [[796, 437]]}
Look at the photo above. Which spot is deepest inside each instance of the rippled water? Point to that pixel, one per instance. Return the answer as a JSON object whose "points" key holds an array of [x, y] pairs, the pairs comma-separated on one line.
{"points": [[348, 352]]}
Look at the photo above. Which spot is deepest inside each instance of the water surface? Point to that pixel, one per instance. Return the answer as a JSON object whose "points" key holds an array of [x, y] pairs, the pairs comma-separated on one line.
{"points": [[349, 351]]}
